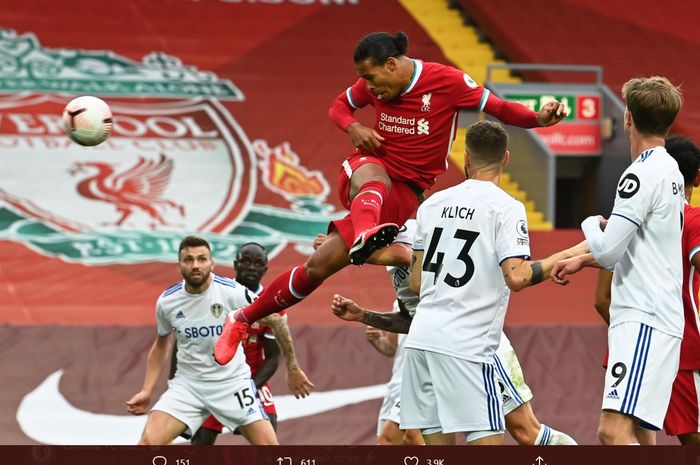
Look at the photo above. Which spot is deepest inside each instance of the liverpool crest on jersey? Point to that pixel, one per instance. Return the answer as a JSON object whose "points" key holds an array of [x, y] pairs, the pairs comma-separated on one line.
{"points": [[426, 102]]}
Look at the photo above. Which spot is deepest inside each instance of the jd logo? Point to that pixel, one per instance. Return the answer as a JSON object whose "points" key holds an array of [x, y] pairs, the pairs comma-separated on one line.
{"points": [[628, 186]]}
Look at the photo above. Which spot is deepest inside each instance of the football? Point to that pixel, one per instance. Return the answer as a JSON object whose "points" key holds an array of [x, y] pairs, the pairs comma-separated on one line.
{"points": [[87, 120]]}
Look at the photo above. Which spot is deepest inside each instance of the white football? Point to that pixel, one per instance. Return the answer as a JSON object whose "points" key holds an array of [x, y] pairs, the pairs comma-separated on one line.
{"points": [[87, 120]]}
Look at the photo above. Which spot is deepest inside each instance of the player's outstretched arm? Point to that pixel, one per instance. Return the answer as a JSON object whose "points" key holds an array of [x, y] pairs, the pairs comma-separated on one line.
{"points": [[348, 310], [519, 115], [297, 381], [139, 402], [520, 273], [572, 265]]}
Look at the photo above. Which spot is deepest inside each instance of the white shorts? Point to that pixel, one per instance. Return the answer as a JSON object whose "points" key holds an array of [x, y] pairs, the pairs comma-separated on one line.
{"points": [[445, 394], [391, 409], [510, 377], [233, 402], [642, 365]]}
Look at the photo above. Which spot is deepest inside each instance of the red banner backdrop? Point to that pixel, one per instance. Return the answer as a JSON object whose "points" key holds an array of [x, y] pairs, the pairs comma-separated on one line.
{"points": [[227, 101]]}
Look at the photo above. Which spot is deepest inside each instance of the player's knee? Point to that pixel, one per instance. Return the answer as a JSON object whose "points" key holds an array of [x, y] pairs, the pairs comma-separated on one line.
{"points": [[390, 438], [320, 267], [148, 440], [606, 435], [523, 435], [690, 439], [413, 437], [269, 440], [378, 176], [316, 270]]}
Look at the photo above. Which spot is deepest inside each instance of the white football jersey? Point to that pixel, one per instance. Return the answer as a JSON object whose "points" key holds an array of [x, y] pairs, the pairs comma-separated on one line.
{"points": [[648, 278], [400, 275], [465, 232], [198, 320]]}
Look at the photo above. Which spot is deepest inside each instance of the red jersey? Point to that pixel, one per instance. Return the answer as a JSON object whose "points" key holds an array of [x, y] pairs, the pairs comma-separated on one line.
{"points": [[690, 347], [253, 344], [419, 125]]}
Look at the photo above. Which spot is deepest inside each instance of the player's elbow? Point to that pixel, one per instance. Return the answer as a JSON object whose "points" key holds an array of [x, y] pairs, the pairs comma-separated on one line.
{"points": [[517, 282], [606, 258]]}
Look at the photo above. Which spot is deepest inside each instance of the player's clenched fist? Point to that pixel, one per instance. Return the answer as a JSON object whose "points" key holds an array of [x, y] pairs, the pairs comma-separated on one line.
{"points": [[346, 309], [551, 113]]}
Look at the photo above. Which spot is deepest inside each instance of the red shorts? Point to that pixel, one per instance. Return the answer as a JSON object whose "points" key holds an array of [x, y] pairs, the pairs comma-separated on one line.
{"points": [[400, 205], [265, 397], [682, 416], [212, 424]]}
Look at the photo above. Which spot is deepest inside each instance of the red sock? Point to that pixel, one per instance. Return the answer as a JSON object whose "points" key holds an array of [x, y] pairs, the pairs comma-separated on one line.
{"points": [[287, 289], [366, 207]]}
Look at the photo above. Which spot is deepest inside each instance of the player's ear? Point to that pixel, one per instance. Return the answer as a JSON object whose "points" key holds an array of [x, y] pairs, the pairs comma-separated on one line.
{"points": [[467, 162], [391, 64], [696, 181], [506, 159]]}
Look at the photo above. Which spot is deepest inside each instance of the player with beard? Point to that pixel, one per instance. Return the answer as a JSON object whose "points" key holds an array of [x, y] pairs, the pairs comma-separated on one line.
{"points": [[520, 419], [416, 104], [261, 346], [193, 310]]}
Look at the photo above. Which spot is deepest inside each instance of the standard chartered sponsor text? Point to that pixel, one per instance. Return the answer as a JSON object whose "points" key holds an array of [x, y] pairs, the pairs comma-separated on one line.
{"points": [[401, 124]]}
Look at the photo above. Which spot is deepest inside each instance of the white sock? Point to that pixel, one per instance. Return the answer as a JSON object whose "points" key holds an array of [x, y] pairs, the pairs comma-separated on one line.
{"points": [[551, 437]]}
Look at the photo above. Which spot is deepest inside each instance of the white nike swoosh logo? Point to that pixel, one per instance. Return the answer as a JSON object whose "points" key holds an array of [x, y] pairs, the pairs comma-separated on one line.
{"points": [[45, 416]]}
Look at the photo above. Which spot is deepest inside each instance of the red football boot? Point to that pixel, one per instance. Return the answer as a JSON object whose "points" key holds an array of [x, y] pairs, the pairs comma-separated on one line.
{"points": [[370, 240], [226, 346]]}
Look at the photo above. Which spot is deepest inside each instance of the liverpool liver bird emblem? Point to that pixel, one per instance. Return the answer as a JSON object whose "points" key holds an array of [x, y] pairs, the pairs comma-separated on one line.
{"points": [[140, 187]]}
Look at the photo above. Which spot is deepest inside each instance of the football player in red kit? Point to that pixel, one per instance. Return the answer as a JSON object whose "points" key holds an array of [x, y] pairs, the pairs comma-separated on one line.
{"points": [[416, 105]]}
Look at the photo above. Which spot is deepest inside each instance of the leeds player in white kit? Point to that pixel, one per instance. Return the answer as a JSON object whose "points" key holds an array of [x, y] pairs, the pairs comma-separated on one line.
{"points": [[642, 241], [471, 248], [520, 420], [194, 310]]}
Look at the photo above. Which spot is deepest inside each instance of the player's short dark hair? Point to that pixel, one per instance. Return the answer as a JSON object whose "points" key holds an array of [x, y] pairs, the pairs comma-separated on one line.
{"points": [[487, 142], [193, 241], [654, 103], [379, 46], [687, 155], [238, 253]]}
